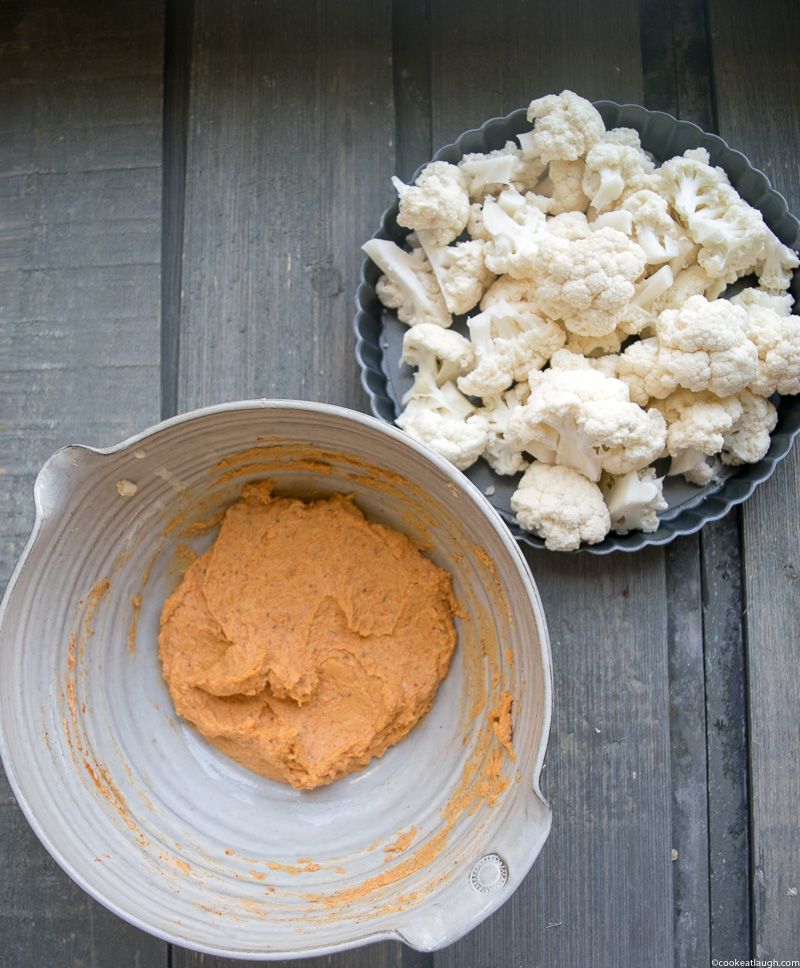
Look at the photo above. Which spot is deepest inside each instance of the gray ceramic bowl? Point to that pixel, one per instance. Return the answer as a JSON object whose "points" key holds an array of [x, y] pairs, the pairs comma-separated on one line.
{"points": [[181, 841], [379, 334]]}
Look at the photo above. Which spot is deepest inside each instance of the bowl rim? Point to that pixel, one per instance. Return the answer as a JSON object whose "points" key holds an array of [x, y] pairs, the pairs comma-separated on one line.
{"points": [[542, 656], [716, 502]]}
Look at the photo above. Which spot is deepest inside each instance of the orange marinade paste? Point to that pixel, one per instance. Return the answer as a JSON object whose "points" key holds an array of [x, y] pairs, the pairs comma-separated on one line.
{"points": [[308, 639]]}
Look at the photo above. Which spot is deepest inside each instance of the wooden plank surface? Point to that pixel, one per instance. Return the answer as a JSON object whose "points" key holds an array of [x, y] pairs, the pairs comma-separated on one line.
{"points": [[80, 184], [601, 892], [290, 149], [671, 767], [290, 141], [759, 113]]}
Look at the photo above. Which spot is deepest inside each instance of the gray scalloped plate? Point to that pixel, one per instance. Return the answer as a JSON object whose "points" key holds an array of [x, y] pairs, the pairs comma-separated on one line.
{"points": [[379, 334]]}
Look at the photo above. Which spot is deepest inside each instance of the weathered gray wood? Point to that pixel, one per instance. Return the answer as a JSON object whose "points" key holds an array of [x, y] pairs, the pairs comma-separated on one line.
{"points": [[289, 157], [80, 180], [381, 955], [411, 68], [601, 891], [688, 754], [677, 79], [299, 114], [726, 717], [290, 153], [759, 114], [178, 24]]}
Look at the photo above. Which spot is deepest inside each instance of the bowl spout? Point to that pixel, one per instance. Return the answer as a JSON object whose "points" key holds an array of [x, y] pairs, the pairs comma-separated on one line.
{"points": [[61, 476]]}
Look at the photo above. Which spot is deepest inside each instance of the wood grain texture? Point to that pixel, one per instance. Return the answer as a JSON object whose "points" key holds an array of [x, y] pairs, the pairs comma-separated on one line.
{"points": [[759, 113], [80, 85], [608, 765], [600, 893], [676, 65], [290, 152], [489, 59], [273, 234], [385, 954], [687, 697], [726, 723], [157, 255]]}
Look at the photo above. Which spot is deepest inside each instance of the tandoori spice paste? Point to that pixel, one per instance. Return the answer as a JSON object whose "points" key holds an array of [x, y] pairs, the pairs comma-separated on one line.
{"points": [[308, 639]]}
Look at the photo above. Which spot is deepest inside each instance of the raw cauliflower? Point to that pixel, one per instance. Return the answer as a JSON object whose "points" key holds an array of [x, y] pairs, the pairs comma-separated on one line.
{"points": [[500, 453], [600, 333], [512, 226], [443, 419], [582, 419], [748, 440], [488, 173], [459, 269], [731, 233], [439, 355], [438, 200], [701, 346], [563, 187], [507, 344], [408, 283], [586, 283], [634, 500], [566, 126], [614, 168], [697, 422], [653, 227], [776, 336], [562, 506]]}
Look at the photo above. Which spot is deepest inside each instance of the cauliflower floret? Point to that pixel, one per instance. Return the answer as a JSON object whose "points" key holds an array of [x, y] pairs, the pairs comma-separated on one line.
{"points": [[460, 270], [490, 172], [570, 226], [653, 227], [562, 506], [697, 422], [696, 467], [612, 169], [438, 200], [408, 283], [566, 126], [439, 355], [704, 345], [634, 500], [520, 294], [443, 419], [775, 264], [570, 359], [639, 315], [582, 419], [749, 438], [587, 282], [779, 302], [701, 346], [637, 368], [731, 233], [501, 455], [691, 281], [508, 344], [593, 347], [777, 340], [563, 187], [513, 224]]}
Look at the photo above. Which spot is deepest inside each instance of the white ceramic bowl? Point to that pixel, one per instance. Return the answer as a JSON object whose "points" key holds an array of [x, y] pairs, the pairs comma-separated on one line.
{"points": [[170, 834]]}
